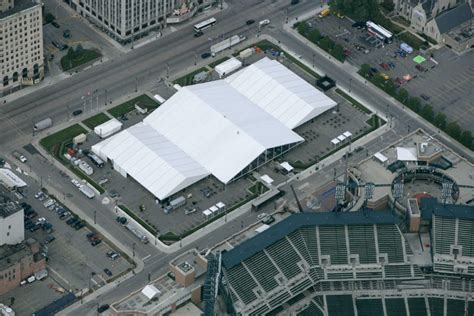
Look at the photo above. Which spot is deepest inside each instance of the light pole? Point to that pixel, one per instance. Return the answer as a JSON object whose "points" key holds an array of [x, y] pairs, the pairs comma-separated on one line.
{"points": [[136, 84], [95, 217], [314, 55], [350, 84], [105, 102]]}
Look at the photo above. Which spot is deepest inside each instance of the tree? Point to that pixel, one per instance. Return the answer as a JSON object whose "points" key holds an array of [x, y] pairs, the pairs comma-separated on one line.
{"points": [[466, 139], [364, 70], [303, 28], [325, 43], [388, 5], [414, 104], [71, 53], [440, 120], [48, 18], [428, 112], [338, 52], [402, 95], [454, 130], [314, 36], [390, 88]]}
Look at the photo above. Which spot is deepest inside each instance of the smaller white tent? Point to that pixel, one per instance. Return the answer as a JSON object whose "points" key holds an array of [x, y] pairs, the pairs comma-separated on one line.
{"points": [[228, 66], [11, 180], [286, 166], [406, 154], [381, 157], [150, 291], [108, 128], [267, 179]]}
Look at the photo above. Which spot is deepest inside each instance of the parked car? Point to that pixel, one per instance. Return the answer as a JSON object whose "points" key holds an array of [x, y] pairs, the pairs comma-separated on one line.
{"points": [[103, 308], [67, 33], [108, 272], [122, 220], [198, 34], [35, 227], [79, 225], [71, 221], [264, 22], [420, 68], [64, 215], [425, 97], [77, 112], [391, 64], [76, 183], [385, 66], [96, 242], [205, 55], [55, 24], [49, 239], [250, 22]]}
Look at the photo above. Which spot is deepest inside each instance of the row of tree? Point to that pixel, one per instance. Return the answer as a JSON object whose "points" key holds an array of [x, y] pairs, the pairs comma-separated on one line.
{"points": [[414, 103], [327, 44]]}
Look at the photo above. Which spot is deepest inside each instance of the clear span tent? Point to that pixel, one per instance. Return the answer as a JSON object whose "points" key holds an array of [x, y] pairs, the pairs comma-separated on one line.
{"points": [[215, 128], [228, 66], [280, 92], [407, 154], [150, 291], [10, 179]]}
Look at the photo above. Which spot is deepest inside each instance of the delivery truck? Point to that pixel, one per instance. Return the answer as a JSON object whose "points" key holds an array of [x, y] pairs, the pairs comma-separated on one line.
{"points": [[144, 239], [43, 124], [227, 43], [174, 204], [87, 191]]}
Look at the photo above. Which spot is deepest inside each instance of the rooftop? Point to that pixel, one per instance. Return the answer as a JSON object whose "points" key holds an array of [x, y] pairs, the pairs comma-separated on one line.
{"points": [[268, 237], [430, 205], [454, 17], [7, 206], [19, 6], [10, 254]]}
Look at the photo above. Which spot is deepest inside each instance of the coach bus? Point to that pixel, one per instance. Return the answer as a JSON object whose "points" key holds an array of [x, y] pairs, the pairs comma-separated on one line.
{"points": [[379, 32], [204, 24]]}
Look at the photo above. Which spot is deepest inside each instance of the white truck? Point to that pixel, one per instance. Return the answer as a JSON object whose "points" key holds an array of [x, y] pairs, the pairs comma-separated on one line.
{"points": [[87, 191], [144, 239], [227, 43], [174, 204], [43, 124]]}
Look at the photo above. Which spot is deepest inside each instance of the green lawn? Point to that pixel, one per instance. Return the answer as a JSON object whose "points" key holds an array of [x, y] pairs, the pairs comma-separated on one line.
{"points": [[401, 20], [96, 120], [85, 56], [258, 188], [355, 103], [188, 79], [217, 62], [142, 101], [411, 40], [52, 142]]}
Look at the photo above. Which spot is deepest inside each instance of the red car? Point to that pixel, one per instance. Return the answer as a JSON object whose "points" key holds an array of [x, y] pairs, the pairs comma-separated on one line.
{"points": [[385, 66]]}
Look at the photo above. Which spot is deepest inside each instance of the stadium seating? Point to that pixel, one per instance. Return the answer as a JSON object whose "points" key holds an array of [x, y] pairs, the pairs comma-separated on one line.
{"points": [[340, 305], [362, 242], [309, 235], [444, 234], [263, 270], [466, 237], [455, 307], [369, 307], [311, 310], [333, 243], [396, 307], [297, 240], [285, 257], [417, 306], [436, 306], [242, 283], [390, 242]]}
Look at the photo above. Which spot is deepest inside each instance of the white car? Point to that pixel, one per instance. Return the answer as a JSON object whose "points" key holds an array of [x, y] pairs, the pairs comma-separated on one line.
{"points": [[23, 159], [76, 183], [261, 216], [264, 22]]}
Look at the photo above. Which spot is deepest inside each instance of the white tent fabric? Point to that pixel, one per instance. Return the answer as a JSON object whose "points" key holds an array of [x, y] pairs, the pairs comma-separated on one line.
{"points": [[232, 131], [152, 160], [150, 291], [407, 154], [108, 128], [285, 165], [267, 179], [380, 157], [228, 66], [280, 92], [10, 179]]}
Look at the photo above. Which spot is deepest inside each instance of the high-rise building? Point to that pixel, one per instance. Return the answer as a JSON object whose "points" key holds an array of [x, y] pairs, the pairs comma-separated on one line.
{"points": [[125, 19], [21, 44], [11, 222]]}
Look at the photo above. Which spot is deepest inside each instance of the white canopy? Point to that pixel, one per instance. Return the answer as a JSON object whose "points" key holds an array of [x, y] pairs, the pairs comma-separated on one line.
{"points": [[228, 66], [150, 291], [335, 141], [407, 154], [267, 179], [207, 213], [347, 134], [10, 179], [280, 92], [341, 138], [216, 128], [285, 165], [380, 157], [108, 128], [220, 205]]}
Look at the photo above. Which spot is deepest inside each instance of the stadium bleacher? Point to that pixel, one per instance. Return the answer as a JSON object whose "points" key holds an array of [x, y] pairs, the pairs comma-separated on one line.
{"points": [[263, 270], [362, 242], [417, 306], [340, 305], [285, 257], [444, 234], [332, 240], [242, 283], [466, 237], [396, 307], [369, 307], [390, 242]]}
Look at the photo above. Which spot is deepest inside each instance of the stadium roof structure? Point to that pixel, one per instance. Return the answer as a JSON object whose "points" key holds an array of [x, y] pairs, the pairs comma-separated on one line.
{"points": [[217, 128], [280, 92], [430, 206], [278, 231]]}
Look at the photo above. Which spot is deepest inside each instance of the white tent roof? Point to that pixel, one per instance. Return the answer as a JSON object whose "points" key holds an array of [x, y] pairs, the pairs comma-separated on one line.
{"points": [[232, 131], [347, 134], [10, 179], [152, 160], [110, 126], [285, 165], [150, 291], [381, 157], [341, 138], [220, 205], [280, 92], [228, 66], [214, 209], [267, 179], [407, 154], [335, 141]]}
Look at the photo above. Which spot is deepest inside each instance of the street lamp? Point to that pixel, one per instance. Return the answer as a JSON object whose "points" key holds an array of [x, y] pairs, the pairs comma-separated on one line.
{"points": [[313, 59]]}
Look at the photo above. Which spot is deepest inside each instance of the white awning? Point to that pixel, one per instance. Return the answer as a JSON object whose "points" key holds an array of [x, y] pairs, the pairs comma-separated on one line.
{"points": [[207, 213], [266, 178], [347, 134], [335, 141], [285, 165], [407, 154], [10, 179], [380, 157], [341, 138], [220, 205], [214, 209], [150, 291]]}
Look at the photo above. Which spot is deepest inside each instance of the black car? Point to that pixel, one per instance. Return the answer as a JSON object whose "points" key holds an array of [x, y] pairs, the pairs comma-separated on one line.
{"points": [[108, 272], [122, 220], [55, 24], [79, 225], [96, 242], [49, 239], [35, 227], [55, 44], [71, 221], [103, 308], [198, 34], [63, 47], [67, 34], [77, 112], [250, 22], [205, 55], [359, 24]]}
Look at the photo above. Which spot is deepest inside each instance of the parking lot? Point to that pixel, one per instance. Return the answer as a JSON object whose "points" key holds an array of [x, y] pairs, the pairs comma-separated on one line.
{"points": [[79, 33], [445, 84]]}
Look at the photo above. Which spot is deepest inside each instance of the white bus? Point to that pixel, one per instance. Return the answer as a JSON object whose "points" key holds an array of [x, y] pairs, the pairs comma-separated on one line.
{"points": [[204, 24], [378, 31]]}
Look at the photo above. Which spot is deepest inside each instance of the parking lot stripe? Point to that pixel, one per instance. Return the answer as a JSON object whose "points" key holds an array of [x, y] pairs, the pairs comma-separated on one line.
{"points": [[146, 257]]}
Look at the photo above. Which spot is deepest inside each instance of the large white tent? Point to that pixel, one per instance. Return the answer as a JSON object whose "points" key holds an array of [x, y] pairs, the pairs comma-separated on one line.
{"points": [[210, 128], [280, 92]]}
